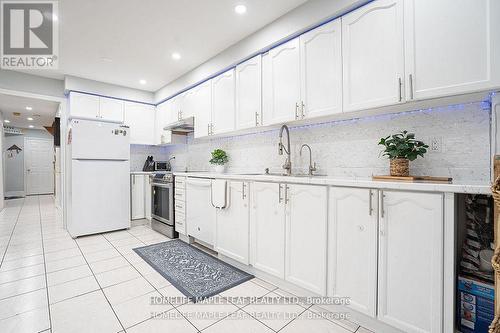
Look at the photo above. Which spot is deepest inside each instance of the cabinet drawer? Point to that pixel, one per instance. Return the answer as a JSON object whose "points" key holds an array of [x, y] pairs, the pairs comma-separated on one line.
{"points": [[180, 182], [179, 205], [179, 194], [180, 217]]}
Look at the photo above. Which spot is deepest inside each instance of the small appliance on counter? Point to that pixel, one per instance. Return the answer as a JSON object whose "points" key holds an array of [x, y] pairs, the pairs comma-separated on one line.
{"points": [[149, 165], [164, 165]]}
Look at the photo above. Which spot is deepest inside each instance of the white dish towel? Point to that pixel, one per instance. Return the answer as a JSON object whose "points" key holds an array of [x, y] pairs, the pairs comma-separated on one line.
{"points": [[219, 193]]}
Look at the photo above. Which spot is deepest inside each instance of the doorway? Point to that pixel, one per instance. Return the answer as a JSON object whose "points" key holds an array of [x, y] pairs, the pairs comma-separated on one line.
{"points": [[39, 166]]}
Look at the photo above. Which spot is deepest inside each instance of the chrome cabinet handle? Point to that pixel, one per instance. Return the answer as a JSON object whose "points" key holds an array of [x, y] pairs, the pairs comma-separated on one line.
{"points": [[256, 119], [279, 194], [302, 109], [411, 86], [370, 206], [208, 129], [382, 203], [296, 111], [287, 200], [400, 86], [243, 195]]}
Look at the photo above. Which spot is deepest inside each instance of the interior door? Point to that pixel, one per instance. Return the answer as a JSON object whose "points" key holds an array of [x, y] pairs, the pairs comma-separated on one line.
{"points": [[321, 70], [249, 93], [223, 102], [373, 55], [353, 235], [233, 223], [284, 83], [39, 166], [466, 32]]}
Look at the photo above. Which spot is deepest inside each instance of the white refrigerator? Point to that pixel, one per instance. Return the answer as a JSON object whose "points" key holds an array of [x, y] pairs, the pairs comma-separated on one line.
{"points": [[99, 179]]}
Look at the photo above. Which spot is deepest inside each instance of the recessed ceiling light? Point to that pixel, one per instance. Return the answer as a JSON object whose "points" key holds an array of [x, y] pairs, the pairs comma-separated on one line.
{"points": [[31, 126], [106, 59], [240, 9], [29, 118], [6, 121], [29, 108], [176, 56], [142, 82]]}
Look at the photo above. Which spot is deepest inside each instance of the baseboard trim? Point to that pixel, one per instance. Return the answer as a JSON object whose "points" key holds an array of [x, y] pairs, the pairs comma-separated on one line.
{"points": [[14, 194]]}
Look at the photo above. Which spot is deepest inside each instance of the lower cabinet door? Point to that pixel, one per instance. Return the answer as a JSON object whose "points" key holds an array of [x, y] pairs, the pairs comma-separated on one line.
{"points": [[137, 197], [306, 236], [267, 228], [233, 223], [200, 214], [353, 232], [410, 272], [147, 196]]}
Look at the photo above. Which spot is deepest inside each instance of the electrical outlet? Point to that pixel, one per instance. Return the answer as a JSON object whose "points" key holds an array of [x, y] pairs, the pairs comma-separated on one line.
{"points": [[436, 144]]}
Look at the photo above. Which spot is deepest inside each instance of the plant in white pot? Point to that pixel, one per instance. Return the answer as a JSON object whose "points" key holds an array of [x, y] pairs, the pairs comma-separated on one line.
{"points": [[219, 160], [401, 148]]}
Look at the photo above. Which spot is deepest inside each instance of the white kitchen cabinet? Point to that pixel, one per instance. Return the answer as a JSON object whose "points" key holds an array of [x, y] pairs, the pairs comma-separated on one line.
{"points": [[180, 205], [232, 227], [373, 55], [83, 106], [249, 93], [203, 109], [223, 103], [187, 104], [321, 71], [162, 118], [283, 76], [451, 48], [147, 196], [353, 235], [306, 236], [267, 231], [200, 214], [410, 273], [141, 120], [111, 109], [137, 196]]}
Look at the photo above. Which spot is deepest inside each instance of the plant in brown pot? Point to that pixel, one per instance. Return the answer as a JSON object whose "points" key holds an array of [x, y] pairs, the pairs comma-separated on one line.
{"points": [[401, 148]]}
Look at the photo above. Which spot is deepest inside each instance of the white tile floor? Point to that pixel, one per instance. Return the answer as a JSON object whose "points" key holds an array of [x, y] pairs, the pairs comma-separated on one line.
{"points": [[51, 283]]}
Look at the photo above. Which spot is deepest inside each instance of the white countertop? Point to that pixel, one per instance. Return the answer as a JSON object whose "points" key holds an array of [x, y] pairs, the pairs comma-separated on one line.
{"points": [[454, 187]]}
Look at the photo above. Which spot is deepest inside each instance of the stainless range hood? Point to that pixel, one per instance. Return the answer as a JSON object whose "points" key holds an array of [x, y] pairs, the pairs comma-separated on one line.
{"points": [[184, 125]]}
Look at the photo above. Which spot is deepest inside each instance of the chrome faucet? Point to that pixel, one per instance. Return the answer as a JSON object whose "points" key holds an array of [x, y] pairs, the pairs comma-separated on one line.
{"points": [[288, 162], [312, 167]]}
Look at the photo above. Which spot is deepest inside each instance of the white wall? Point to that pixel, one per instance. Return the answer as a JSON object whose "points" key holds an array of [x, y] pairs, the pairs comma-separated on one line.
{"points": [[27, 83], [139, 153], [14, 167], [106, 89], [350, 148], [291, 24]]}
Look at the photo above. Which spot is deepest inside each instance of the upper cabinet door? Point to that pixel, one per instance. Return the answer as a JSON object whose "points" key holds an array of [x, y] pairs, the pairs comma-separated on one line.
{"points": [[353, 234], [451, 47], [249, 93], [373, 55], [83, 106], [163, 114], [284, 83], [223, 103], [410, 277], [305, 260], [141, 119], [111, 109], [321, 69], [202, 109]]}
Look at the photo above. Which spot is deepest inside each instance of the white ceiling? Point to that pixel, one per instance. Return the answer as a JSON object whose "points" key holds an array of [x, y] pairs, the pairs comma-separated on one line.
{"points": [[124, 41], [43, 112]]}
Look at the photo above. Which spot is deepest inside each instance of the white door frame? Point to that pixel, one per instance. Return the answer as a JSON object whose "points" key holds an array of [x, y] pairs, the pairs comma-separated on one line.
{"points": [[25, 174], [63, 107]]}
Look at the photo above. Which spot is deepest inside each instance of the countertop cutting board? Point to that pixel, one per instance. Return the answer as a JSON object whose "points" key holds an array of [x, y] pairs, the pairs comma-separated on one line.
{"points": [[414, 178]]}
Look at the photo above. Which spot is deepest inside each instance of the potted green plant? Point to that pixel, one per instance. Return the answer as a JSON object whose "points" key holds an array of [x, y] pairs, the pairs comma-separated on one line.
{"points": [[219, 160], [401, 148]]}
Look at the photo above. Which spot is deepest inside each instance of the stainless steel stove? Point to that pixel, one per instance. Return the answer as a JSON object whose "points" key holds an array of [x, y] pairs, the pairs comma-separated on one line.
{"points": [[162, 204]]}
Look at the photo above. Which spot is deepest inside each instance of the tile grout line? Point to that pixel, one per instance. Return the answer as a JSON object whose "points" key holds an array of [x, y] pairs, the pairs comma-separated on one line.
{"points": [[100, 287], [44, 266], [12, 233]]}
